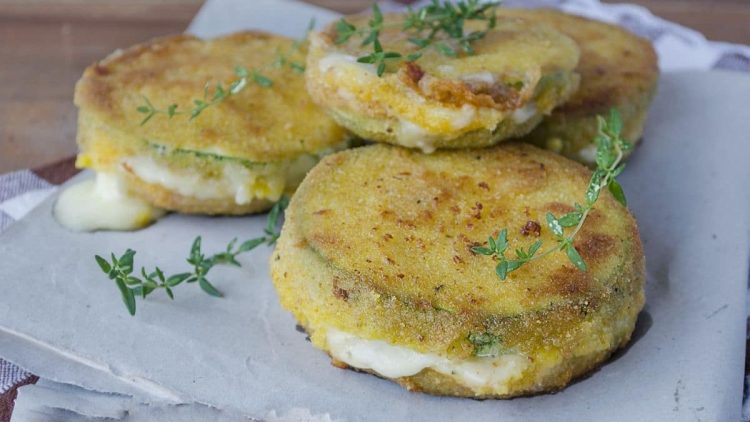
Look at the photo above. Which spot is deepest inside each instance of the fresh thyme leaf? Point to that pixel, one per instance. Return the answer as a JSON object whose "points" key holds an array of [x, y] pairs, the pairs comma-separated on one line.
{"points": [[411, 57], [209, 288], [614, 122], [344, 31], [610, 149], [534, 248], [128, 297], [120, 269], [261, 80], [241, 72], [273, 231], [221, 93], [103, 264], [502, 269], [297, 67], [570, 219], [446, 49], [251, 244], [574, 257], [554, 225], [428, 26], [419, 42], [370, 59], [482, 250], [176, 279], [485, 344], [616, 190], [514, 264], [381, 68]]}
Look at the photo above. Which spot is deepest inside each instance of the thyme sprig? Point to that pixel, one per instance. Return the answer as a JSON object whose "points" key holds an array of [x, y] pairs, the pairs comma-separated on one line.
{"points": [[120, 270], [244, 77], [610, 149], [425, 27], [220, 93]]}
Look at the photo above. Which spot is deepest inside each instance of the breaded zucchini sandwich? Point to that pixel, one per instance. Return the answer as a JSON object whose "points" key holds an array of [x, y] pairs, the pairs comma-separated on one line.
{"points": [[618, 70], [424, 80], [222, 126], [378, 261]]}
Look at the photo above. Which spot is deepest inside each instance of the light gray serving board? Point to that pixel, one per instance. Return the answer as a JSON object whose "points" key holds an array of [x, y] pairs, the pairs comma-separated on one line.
{"points": [[687, 185]]}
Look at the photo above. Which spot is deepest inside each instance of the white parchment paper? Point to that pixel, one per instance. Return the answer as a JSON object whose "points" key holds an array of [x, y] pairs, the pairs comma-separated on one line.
{"points": [[687, 186]]}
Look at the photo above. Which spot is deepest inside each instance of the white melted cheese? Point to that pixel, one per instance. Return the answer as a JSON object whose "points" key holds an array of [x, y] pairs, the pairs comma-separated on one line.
{"points": [[588, 154], [481, 374], [338, 60], [461, 118], [234, 181], [103, 203], [415, 136], [480, 77], [523, 114], [446, 70]]}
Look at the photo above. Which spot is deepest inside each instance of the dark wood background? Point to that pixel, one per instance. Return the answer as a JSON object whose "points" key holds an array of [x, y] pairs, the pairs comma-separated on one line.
{"points": [[46, 44]]}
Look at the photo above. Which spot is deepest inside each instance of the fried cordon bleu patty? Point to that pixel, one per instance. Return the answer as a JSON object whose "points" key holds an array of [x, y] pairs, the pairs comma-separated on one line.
{"points": [[519, 71], [618, 70], [375, 260], [237, 156]]}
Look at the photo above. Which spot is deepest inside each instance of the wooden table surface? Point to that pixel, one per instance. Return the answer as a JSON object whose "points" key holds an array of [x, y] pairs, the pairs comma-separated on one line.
{"points": [[46, 44]]}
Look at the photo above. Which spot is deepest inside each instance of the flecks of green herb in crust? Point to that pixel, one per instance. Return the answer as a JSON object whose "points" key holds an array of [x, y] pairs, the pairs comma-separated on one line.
{"points": [[485, 344]]}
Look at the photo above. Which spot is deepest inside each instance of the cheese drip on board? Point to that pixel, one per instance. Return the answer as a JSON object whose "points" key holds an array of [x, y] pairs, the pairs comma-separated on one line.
{"points": [[388, 360], [103, 203]]}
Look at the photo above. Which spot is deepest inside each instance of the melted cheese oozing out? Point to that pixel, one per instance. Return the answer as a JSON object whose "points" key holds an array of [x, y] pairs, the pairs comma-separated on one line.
{"points": [[103, 204], [588, 154], [481, 374], [236, 181], [233, 182], [523, 114], [414, 135], [480, 77], [335, 60]]}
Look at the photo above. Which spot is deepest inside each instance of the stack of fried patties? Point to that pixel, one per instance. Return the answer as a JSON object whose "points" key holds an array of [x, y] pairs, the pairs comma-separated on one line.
{"points": [[377, 255]]}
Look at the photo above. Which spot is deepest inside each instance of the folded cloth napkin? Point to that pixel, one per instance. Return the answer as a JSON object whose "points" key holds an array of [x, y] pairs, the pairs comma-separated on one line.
{"points": [[20, 192], [679, 48]]}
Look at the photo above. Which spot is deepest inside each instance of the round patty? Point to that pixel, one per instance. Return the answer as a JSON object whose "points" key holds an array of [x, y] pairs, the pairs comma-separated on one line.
{"points": [[618, 70], [375, 261], [241, 150], [519, 71]]}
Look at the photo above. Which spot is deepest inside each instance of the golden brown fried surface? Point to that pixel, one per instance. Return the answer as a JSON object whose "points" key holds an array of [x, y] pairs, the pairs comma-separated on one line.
{"points": [[377, 243], [259, 124], [237, 157], [519, 71], [617, 69]]}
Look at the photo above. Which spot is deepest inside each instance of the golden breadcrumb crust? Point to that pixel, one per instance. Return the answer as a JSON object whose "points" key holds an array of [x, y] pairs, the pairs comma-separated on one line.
{"points": [[617, 68], [259, 124], [439, 101], [377, 243]]}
